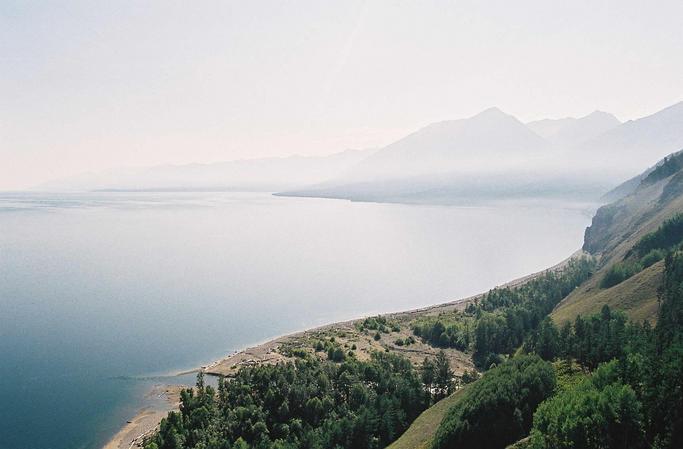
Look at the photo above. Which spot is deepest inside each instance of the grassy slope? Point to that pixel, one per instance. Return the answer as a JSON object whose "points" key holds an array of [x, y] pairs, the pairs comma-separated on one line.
{"points": [[636, 296], [637, 215], [420, 433], [634, 216], [627, 221]]}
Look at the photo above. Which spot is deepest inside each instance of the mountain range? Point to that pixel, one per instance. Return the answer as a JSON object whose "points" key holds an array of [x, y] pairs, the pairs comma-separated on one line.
{"points": [[494, 155], [487, 156], [266, 174]]}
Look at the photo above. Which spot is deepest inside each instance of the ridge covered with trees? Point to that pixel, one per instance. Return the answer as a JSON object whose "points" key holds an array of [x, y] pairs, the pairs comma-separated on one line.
{"points": [[497, 325], [306, 404], [629, 392]]}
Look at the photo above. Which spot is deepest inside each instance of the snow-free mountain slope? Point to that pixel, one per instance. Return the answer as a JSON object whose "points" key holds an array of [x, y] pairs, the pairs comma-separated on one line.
{"points": [[488, 140], [637, 143], [268, 174], [571, 131]]}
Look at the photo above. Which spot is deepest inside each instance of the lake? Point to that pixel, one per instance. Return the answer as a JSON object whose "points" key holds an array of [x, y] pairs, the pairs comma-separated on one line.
{"points": [[104, 294]]}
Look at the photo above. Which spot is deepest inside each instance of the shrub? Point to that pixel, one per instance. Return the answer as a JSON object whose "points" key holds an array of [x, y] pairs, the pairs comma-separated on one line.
{"points": [[599, 412], [504, 399], [652, 257], [619, 272]]}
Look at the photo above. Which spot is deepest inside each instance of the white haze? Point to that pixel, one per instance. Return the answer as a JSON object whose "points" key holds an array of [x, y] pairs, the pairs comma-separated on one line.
{"points": [[491, 154], [90, 86]]}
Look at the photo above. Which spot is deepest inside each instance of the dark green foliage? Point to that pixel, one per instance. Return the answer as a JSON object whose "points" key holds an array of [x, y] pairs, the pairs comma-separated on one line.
{"points": [[469, 376], [668, 167], [445, 331], [336, 354], [428, 376], [497, 410], [651, 258], [437, 377], [499, 323], [600, 412], [633, 399], [664, 382], [298, 352], [404, 341], [507, 316], [619, 272], [590, 341], [306, 404], [443, 376], [649, 250], [637, 399], [670, 321], [547, 340], [378, 323], [668, 235]]}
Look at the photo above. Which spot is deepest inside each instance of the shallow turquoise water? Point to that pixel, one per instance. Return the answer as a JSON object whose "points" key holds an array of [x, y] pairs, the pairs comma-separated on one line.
{"points": [[101, 292]]}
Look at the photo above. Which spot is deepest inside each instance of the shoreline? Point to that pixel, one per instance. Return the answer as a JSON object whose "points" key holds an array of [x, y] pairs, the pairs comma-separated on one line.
{"points": [[265, 352], [148, 418]]}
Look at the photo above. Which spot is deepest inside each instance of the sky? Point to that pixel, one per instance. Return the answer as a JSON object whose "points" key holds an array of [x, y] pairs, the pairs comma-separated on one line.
{"points": [[93, 85]]}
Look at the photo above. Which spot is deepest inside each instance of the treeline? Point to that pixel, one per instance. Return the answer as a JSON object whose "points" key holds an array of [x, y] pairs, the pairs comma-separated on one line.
{"points": [[306, 404], [498, 409], [635, 397], [650, 249], [668, 167], [446, 331], [499, 323], [635, 400], [589, 341], [632, 398]]}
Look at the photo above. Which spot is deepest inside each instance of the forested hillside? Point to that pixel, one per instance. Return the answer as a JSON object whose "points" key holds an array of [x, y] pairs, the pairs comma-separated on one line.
{"points": [[614, 344], [329, 398], [630, 270], [586, 356]]}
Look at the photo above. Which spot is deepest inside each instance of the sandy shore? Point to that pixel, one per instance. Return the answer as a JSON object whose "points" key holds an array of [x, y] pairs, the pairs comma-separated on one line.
{"points": [[147, 419], [346, 333]]}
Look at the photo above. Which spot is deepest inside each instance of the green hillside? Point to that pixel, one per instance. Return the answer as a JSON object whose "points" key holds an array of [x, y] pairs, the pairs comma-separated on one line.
{"points": [[588, 354], [419, 435], [615, 231]]}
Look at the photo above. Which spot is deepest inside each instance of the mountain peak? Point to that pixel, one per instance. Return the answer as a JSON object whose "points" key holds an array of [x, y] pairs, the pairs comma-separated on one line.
{"points": [[492, 112], [602, 114]]}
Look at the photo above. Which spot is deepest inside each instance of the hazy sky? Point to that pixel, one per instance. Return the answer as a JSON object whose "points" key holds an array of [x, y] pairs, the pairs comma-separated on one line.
{"points": [[93, 85]]}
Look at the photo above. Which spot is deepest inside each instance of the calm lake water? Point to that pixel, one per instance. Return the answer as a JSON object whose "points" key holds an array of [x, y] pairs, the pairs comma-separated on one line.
{"points": [[103, 294]]}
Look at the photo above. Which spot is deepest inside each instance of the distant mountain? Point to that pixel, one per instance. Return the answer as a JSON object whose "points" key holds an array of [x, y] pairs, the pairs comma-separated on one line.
{"points": [[613, 234], [637, 143], [486, 141], [494, 155], [573, 131], [548, 127], [629, 186], [489, 156], [267, 174]]}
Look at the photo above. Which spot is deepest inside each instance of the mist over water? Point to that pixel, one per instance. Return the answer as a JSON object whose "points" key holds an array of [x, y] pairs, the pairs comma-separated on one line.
{"points": [[100, 290]]}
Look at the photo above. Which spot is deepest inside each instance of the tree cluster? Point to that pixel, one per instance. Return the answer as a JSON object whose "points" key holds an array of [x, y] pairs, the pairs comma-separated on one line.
{"points": [[305, 404], [634, 396], [498, 409], [499, 323]]}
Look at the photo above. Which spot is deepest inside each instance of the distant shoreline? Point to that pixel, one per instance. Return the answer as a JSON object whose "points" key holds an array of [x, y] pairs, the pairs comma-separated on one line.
{"points": [[147, 420], [264, 352]]}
